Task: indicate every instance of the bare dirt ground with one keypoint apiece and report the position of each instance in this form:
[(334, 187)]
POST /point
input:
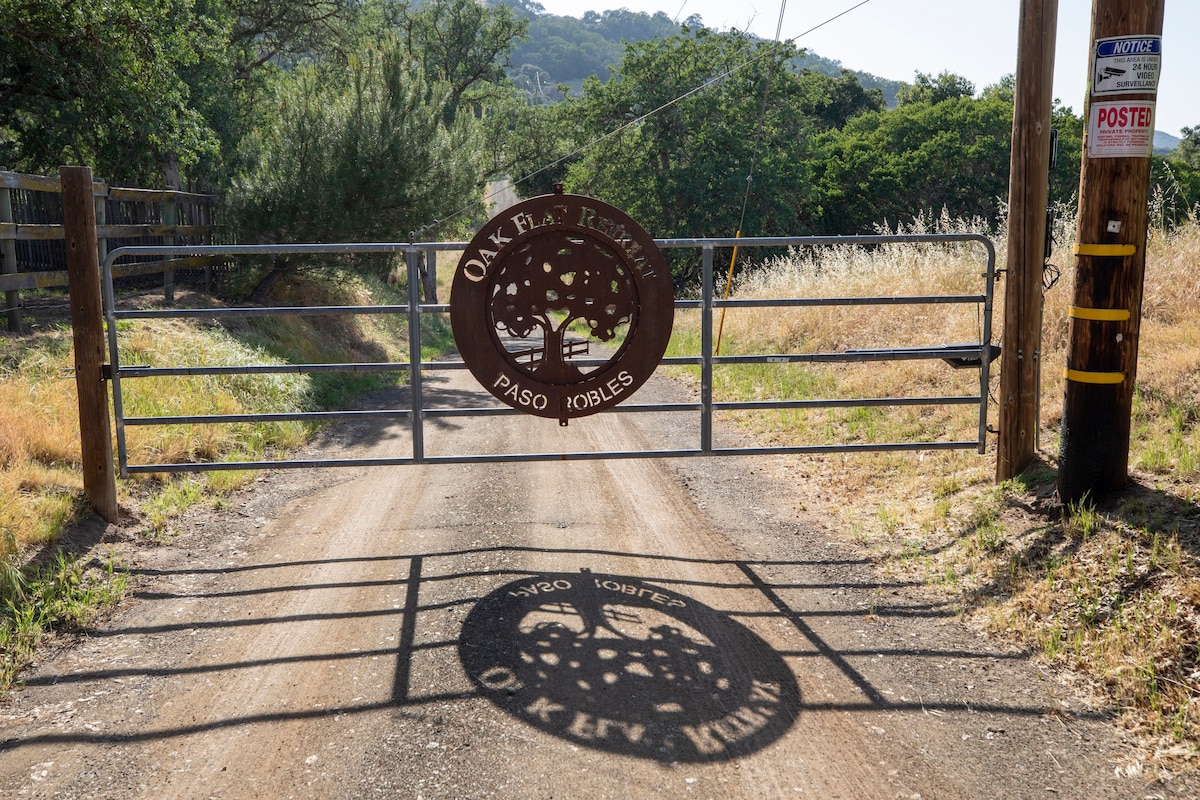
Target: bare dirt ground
[(597, 629)]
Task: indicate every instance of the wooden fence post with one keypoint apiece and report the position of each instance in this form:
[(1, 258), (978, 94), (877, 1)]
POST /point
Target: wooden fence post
[(169, 216), (101, 220), (8, 263), (87, 327)]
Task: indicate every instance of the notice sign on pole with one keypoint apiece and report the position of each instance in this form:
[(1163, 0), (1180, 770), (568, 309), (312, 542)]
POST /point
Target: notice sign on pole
[(1126, 65), (1119, 129)]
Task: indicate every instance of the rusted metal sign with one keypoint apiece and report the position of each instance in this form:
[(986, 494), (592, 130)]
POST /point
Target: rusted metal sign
[(562, 306)]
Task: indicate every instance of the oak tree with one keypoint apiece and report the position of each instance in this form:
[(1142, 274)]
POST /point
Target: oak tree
[(548, 284)]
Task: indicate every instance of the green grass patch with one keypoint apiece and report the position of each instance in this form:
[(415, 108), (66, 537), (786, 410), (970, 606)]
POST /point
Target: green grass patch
[(64, 596)]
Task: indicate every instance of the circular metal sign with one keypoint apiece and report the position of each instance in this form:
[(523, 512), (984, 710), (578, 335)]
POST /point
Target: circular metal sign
[(562, 306)]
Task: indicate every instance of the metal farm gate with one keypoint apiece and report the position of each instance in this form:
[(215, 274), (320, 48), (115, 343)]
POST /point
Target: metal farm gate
[(976, 355)]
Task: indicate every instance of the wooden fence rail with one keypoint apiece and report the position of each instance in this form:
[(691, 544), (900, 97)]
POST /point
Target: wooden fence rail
[(32, 236)]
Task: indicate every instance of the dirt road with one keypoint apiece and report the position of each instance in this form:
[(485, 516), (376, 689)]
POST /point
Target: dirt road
[(619, 629)]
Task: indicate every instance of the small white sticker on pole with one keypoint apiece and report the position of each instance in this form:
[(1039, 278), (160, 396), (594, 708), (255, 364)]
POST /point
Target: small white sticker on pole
[(1121, 129), (1126, 65)]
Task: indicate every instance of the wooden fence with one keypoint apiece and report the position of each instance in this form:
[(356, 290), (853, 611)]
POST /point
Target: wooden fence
[(32, 252)]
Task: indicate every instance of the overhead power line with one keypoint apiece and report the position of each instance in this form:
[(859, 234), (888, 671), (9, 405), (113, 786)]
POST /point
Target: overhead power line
[(762, 113), (716, 79)]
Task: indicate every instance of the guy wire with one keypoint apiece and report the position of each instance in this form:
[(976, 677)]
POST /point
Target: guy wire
[(758, 133)]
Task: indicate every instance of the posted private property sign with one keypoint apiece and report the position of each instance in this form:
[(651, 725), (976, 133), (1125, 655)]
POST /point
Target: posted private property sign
[(1121, 129)]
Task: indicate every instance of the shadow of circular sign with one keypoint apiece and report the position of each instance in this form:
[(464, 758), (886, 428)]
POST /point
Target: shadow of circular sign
[(616, 664)]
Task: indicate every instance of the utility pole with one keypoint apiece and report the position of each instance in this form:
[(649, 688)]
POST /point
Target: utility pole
[(1110, 247), (1028, 191)]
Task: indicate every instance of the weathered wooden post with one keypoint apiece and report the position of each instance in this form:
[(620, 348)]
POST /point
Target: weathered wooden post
[(170, 218), (101, 200), (87, 327), (8, 262)]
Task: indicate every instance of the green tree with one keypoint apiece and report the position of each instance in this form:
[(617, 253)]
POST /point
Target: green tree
[(1064, 179), (682, 170), (462, 43), (1188, 151), (1064, 176), (571, 48), (832, 101), (933, 90), (925, 155), (285, 32), (142, 90), (356, 157), (1175, 182), (566, 49), (263, 41), (623, 25), (100, 84), (529, 142)]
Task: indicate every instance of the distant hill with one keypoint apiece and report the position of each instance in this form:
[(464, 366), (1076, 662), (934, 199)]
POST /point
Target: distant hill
[(1165, 143), (833, 68), (565, 50)]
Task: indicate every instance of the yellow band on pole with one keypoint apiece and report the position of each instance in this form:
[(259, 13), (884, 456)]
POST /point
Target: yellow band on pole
[(728, 286), (1105, 249), (1082, 376), (1099, 314)]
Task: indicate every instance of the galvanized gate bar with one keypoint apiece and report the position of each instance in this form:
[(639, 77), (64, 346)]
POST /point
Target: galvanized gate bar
[(262, 369), (783, 302), (847, 356), (706, 350), (208, 313), (980, 353), (505, 411), (887, 300), (526, 458)]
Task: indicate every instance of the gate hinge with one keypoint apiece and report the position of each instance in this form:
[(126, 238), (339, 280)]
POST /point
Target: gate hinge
[(106, 372)]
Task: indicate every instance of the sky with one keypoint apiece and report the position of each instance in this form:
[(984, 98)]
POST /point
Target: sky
[(976, 39)]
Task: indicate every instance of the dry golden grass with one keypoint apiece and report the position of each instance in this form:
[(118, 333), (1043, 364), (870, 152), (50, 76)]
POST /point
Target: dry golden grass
[(34, 427), (177, 343), (891, 271), (1111, 597), (40, 485)]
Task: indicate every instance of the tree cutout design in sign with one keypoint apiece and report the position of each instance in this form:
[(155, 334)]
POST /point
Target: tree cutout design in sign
[(542, 282), (620, 665), (551, 282)]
